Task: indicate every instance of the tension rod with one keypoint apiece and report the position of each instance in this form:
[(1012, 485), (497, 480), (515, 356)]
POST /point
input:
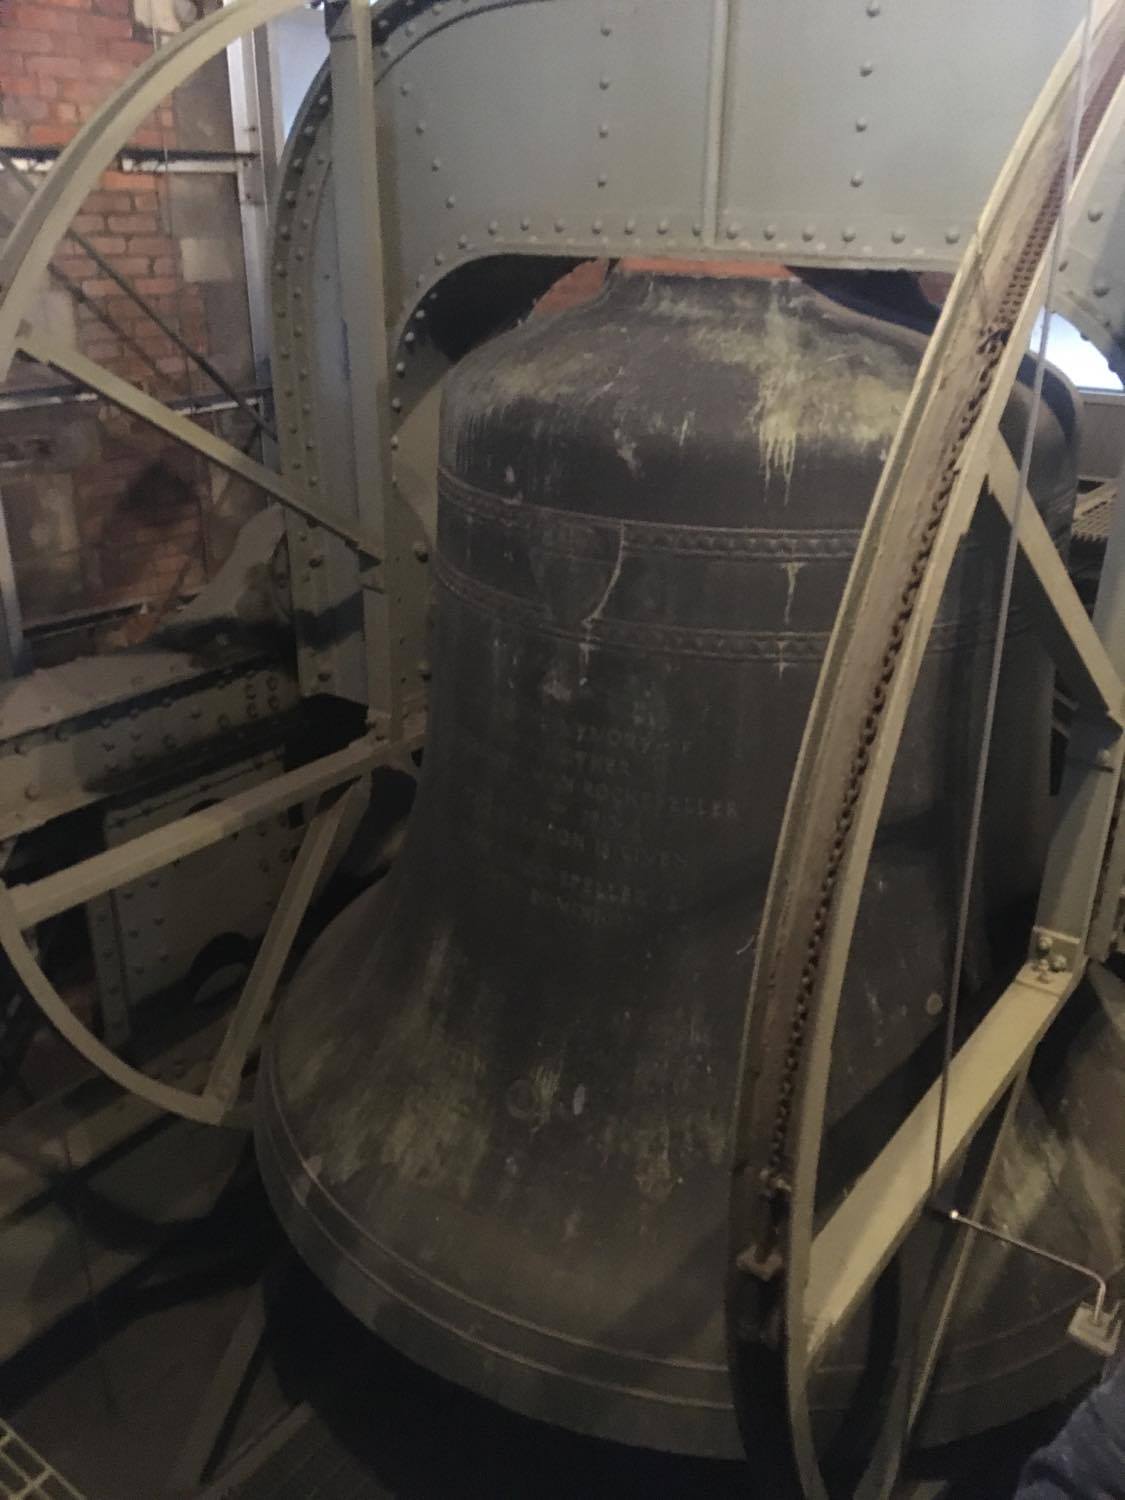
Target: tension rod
[(1095, 1326)]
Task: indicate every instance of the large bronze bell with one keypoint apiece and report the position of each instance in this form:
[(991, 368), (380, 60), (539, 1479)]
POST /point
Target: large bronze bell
[(494, 1111)]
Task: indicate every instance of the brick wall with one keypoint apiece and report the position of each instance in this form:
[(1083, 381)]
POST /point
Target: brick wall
[(101, 511)]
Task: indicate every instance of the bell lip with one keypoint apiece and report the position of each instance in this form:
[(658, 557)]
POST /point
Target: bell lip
[(453, 1342)]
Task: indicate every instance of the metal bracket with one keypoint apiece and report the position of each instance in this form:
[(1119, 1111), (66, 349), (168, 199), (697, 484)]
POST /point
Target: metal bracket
[(1054, 952), (1094, 1325), (1096, 1328)]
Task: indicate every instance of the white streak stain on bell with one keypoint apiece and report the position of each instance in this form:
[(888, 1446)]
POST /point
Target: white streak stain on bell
[(791, 571)]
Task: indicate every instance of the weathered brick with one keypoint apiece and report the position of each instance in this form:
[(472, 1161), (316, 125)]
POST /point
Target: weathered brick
[(98, 287), (133, 223), (101, 202), (107, 28), (88, 223), (127, 182), (108, 70), (105, 351), (24, 107), (47, 135), (84, 90), (108, 244), (155, 286), (54, 64), (76, 267), (133, 53), (30, 17), (17, 87), (66, 114), (144, 244), (28, 41)]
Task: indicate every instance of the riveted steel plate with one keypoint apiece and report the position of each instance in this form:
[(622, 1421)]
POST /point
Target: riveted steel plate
[(856, 133), (874, 129), (197, 919)]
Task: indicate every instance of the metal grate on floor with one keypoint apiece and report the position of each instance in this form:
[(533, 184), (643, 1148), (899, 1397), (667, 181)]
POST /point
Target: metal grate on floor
[(25, 1475), (1093, 516)]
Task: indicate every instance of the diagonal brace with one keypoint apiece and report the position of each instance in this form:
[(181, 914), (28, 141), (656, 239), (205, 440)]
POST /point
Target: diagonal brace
[(1067, 631), (121, 393)]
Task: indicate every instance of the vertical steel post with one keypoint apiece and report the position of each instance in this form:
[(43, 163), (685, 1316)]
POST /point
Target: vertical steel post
[(256, 142), (14, 655), (355, 174), (1089, 788)]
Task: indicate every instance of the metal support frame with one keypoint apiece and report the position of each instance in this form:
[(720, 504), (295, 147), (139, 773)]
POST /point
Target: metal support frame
[(21, 907), (1090, 788), (790, 1286), (840, 1263), (123, 284), (361, 268), (95, 377), (860, 1238), (14, 655), (258, 150)]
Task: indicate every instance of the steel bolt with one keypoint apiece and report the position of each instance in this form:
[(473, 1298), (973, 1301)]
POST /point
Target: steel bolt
[(1042, 943), (1104, 759), (934, 1004), (1058, 963), (421, 552)]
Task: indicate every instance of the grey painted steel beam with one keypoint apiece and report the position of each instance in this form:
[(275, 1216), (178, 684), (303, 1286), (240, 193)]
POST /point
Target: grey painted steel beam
[(20, 906), (121, 393), (277, 943), (1090, 786), (104, 872), (863, 1234), (362, 278), (923, 506), (1072, 639)]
